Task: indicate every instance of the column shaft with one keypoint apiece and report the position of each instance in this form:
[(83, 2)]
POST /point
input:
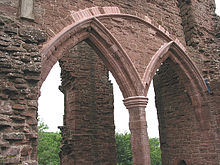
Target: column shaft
[(138, 127)]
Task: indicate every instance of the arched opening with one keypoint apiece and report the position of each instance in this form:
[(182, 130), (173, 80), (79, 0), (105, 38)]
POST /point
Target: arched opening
[(50, 111), (180, 101), (176, 106), (117, 61), (82, 127), (189, 75), (182, 162), (108, 50), (105, 45), (175, 112)]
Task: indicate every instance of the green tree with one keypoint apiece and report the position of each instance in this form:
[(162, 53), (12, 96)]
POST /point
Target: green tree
[(155, 152), (124, 155), (123, 148), (48, 146), (42, 127)]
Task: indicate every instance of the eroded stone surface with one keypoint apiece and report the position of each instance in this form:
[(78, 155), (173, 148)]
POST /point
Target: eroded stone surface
[(88, 119), (20, 70), (140, 41)]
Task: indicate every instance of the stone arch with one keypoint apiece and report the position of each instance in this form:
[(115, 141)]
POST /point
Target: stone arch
[(87, 27), (20, 64), (109, 49), (196, 86), (178, 56), (113, 55)]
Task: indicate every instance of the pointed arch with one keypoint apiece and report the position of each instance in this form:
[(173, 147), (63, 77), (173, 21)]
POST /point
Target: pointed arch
[(178, 56), (103, 42), (194, 84), (114, 56)]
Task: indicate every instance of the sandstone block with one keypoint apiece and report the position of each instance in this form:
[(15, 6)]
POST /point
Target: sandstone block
[(26, 150), (17, 118), (21, 86), (32, 35), (13, 151), (4, 124), (5, 108), (18, 107), (14, 136)]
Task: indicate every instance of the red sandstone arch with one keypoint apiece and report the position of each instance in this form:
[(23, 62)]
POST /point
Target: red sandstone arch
[(109, 49), (178, 55), (113, 55), (88, 27), (195, 84)]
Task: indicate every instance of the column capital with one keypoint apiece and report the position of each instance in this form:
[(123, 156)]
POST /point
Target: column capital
[(135, 101)]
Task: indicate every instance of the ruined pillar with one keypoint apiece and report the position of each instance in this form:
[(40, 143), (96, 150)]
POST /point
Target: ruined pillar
[(138, 127), (88, 134)]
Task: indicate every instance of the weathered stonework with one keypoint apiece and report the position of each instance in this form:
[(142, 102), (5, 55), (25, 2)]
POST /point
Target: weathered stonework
[(174, 42), (20, 70), (88, 131), (182, 136)]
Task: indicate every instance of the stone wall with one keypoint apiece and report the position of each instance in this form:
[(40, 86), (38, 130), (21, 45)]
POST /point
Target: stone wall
[(88, 131), (53, 15), (20, 65), (201, 29), (183, 135)]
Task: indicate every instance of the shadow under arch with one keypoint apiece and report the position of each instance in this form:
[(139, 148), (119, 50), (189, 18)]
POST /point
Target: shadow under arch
[(188, 73), (110, 51)]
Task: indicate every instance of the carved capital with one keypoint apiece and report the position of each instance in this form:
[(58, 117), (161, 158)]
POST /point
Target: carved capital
[(135, 101)]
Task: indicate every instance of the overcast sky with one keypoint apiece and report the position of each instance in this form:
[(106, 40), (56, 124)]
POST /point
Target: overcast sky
[(51, 105)]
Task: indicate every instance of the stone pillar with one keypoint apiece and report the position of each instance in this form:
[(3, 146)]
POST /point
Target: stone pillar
[(88, 133), (138, 127)]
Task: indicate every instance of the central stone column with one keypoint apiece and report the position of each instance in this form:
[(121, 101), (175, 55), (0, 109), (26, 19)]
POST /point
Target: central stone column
[(138, 127)]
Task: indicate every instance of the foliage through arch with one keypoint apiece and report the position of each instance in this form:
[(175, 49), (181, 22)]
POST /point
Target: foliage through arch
[(49, 147)]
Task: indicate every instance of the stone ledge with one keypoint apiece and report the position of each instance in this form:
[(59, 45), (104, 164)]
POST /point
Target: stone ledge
[(14, 136)]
